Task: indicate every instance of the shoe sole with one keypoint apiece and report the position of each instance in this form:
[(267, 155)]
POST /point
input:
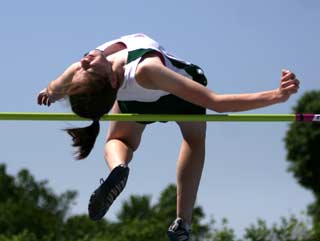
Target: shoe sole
[(98, 198)]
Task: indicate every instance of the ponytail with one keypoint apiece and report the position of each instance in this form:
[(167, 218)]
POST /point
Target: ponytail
[(84, 138), (90, 99)]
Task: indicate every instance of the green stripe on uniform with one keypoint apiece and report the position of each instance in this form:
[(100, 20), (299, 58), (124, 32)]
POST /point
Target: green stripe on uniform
[(135, 54), (193, 70)]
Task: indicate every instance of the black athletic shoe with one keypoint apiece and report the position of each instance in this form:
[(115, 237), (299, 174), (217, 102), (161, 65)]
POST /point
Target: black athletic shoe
[(178, 231), (109, 189)]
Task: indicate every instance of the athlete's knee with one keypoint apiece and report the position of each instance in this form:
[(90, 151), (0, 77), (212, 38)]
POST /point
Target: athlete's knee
[(129, 136), (117, 152), (123, 142)]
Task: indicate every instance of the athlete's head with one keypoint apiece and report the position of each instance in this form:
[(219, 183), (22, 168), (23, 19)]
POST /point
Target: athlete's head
[(91, 95)]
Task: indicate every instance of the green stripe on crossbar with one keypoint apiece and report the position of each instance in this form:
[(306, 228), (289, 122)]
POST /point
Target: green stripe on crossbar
[(34, 116)]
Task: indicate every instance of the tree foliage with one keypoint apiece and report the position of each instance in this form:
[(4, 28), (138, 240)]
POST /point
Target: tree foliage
[(289, 229), (31, 211), (29, 205), (303, 149)]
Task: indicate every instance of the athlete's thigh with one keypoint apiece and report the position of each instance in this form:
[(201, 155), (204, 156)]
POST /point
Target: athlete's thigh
[(128, 132)]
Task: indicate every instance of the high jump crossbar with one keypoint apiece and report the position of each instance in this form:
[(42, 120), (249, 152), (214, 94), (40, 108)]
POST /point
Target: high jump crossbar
[(36, 116)]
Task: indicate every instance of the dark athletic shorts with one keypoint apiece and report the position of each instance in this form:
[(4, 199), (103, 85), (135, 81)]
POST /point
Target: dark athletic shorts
[(168, 104)]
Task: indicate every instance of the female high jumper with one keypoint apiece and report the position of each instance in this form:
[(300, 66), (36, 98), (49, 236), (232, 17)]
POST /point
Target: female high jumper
[(134, 74)]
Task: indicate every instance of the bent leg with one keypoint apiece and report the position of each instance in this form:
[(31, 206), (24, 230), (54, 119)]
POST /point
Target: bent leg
[(190, 165), (122, 140)]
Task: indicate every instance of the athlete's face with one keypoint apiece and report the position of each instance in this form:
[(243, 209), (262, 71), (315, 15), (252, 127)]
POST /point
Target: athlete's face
[(94, 64)]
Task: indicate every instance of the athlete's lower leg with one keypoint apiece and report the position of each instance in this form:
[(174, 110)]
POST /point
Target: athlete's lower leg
[(117, 153), (189, 170)]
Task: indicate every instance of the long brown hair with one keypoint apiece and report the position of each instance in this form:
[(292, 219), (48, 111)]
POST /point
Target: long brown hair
[(89, 100)]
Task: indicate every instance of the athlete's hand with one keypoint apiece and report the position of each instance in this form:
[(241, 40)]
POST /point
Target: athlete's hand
[(289, 85), (44, 98)]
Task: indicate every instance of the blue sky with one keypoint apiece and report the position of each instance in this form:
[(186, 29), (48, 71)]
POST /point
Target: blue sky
[(242, 47)]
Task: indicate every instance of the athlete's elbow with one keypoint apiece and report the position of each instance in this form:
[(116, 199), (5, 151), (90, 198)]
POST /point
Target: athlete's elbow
[(218, 109), (215, 103), (223, 108)]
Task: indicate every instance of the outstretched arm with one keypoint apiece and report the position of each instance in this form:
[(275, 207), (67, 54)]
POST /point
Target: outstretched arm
[(151, 73), (57, 88)]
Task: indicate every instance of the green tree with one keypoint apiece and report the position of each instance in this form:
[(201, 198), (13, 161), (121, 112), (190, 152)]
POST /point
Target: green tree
[(81, 227), (223, 233), (289, 229), (31, 211), (23, 236), (303, 149), (29, 205), (136, 208)]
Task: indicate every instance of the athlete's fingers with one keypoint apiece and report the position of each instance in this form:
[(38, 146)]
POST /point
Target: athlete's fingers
[(48, 102), (291, 89), (288, 76), (44, 99), (284, 72), (39, 100), (287, 83), (40, 96)]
